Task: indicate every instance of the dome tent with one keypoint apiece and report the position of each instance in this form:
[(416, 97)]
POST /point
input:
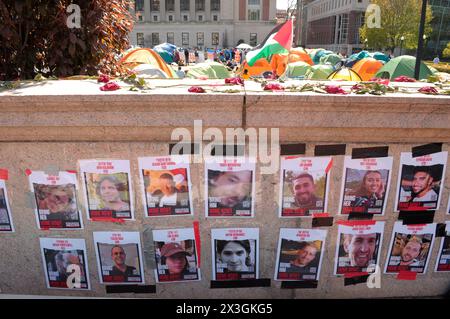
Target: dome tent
[(403, 65), (367, 68), (345, 74)]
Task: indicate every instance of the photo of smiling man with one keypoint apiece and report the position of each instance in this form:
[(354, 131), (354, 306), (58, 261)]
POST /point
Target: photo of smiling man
[(359, 247)]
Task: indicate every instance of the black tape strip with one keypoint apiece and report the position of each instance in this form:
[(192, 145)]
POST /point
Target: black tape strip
[(417, 217), (186, 148), (292, 149), (137, 289), (426, 149), (360, 216), (240, 283), (370, 152), (304, 284), (355, 280), (440, 230), (228, 150), (327, 150), (322, 222)]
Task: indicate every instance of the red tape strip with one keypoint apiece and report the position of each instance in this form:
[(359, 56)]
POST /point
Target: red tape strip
[(28, 172), (330, 165), (355, 274), (197, 241), (71, 171), (291, 157), (4, 174), (407, 275), (321, 215), (356, 222), (108, 220)]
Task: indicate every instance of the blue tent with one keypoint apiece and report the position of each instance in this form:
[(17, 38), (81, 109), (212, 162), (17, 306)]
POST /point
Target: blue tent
[(380, 57), (166, 51)]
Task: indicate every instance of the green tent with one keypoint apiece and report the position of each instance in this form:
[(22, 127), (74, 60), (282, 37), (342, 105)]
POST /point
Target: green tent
[(210, 70), (332, 59), (297, 69), (402, 65), (320, 72)]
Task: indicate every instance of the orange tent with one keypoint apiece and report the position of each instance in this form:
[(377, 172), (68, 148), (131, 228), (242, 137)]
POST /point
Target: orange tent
[(145, 56), (367, 68), (278, 63), (299, 54)]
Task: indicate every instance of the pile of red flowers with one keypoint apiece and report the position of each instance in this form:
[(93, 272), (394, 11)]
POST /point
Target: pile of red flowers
[(404, 78), (234, 81), (333, 89), (428, 90), (196, 89), (109, 86), (273, 87)]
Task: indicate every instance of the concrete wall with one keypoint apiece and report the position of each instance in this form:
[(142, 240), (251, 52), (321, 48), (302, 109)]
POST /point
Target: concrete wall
[(58, 123)]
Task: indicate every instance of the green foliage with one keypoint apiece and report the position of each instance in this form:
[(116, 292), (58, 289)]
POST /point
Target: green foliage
[(446, 53), (35, 38), (398, 18)]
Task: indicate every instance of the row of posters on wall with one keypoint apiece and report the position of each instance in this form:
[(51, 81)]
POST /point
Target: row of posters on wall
[(230, 188), (235, 254)]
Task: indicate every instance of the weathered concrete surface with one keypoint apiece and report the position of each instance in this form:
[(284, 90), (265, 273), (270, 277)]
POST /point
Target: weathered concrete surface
[(38, 130)]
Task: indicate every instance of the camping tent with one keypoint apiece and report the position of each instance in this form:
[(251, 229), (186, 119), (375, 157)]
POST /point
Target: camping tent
[(297, 69), (299, 54), (244, 46), (367, 68), (344, 74), (403, 65), (150, 71), (146, 56), (210, 70), (261, 66), (319, 54), (380, 57), (166, 51), (332, 59), (320, 72)]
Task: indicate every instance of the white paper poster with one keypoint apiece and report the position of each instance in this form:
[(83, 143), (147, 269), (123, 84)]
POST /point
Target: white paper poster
[(56, 199), (300, 253), (410, 248), (365, 185), (420, 182), (443, 261), (176, 255), (304, 185), (166, 185), (235, 253), (65, 263), (230, 187), (107, 189), (119, 257), (6, 224)]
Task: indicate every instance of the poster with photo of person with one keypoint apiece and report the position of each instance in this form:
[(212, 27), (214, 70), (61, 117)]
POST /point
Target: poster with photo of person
[(235, 253), (230, 186), (6, 224), (448, 206), (107, 189), (358, 247), (56, 201), (65, 263), (420, 182), (300, 253), (166, 185), (176, 255), (119, 257), (410, 248), (443, 261), (365, 185), (304, 185)]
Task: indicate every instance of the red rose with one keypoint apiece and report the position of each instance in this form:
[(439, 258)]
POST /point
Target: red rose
[(196, 89), (234, 81), (333, 89), (273, 87), (103, 78), (403, 78), (428, 90), (110, 86)]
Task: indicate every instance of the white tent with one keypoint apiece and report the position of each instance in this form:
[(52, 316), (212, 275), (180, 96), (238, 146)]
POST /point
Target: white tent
[(244, 46)]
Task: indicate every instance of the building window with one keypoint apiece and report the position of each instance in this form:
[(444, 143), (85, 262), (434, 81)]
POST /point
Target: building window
[(199, 5), (184, 5), (200, 39), (155, 38), (155, 18), (170, 5), (185, 38), (254, 10), (171, 37), (200, 18), (185, 18), (253, 39), (170, 18), (140, 40), (215, 38), (139, 5), (154, 5), (215, 17), (215, 5)]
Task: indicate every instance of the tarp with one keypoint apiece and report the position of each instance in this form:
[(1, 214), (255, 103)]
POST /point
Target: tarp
[(166, 51), (319, 54), (320, 72), (345, 74), (367, 68), (210, 70), (332, 59), (403, 65), (146, 56), (380, 57), (297, 69), (150, 71)]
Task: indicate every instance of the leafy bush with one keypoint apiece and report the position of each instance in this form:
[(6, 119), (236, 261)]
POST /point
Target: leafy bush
[(446, 53), (35, 37)]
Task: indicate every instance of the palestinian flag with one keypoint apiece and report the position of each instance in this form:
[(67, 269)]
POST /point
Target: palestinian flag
[(279, 41)]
